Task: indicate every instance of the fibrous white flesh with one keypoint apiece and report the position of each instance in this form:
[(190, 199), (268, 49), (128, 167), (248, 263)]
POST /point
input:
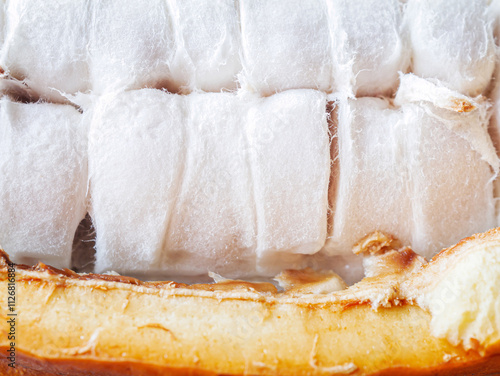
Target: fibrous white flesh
[(372, 192), (494, 10), (290, 159), (455, 160), (45, 45), (419, 172), (337, 45), (286, 45), (2, 22), (369, 45), (213, 225), (178, 45), (131, 44), (453, 42), (452, 191), (207, 53), (77, 46), (208, 182), (43, 180), (136, 150)]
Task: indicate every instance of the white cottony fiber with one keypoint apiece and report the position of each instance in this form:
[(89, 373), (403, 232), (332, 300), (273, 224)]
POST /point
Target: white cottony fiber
[(2, 22), (467, 117), (213, 224), (356, 47), (289, 155), (452, 187), (81, 46), (183, 185), (494, 10), (286, 45), (370, 45), (452, 162), (130, 44), (43, 180), (207, 51), (179, 45), (420, 172), (453, 42), (372, 187), (46, 45), (73, 46), (136, 152)]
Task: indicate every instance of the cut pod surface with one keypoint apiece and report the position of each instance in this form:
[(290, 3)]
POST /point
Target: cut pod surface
[(243, 175)]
